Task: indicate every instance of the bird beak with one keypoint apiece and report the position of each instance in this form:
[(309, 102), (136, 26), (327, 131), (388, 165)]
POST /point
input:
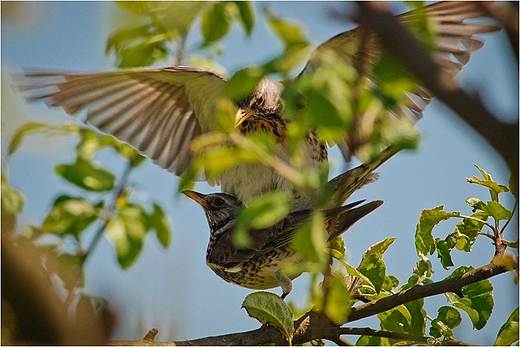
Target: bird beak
[(241, 116), (198, 197)]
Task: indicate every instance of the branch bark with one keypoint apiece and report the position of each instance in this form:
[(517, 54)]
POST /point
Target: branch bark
[(314, 325)]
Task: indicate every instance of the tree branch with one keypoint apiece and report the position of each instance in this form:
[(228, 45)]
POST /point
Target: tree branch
[(314, 325)]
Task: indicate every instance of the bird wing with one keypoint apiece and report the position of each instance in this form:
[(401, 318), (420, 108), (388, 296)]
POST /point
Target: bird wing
[(455, 39), (159, 111), (225, 254)]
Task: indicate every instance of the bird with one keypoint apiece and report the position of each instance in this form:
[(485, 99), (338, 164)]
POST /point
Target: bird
[(261, 264), (161, 110)]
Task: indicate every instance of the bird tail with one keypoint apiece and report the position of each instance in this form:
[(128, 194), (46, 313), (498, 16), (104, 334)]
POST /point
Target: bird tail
[(341, 219), (345, 184)]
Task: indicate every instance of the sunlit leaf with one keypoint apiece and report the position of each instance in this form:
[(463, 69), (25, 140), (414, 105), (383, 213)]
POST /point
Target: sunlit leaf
[(424, 242), (374, 268), (356, 273), (262, 212), (86, 175), (497, 210), (22, 132), (162, 225), (477, 301), (70, 215), (417, 324), (289, 32), (379, 248), (215, 23), (12, 203), (372, 264), (443, 251), (338, 301), (244, 82), (508, 332), (246, 15), (474, 202), (447, 319), (311, 238), (126, 231), (269, 308), (494, 187)]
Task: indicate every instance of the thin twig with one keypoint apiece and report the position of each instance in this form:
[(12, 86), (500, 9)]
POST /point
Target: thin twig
[(117, 192)]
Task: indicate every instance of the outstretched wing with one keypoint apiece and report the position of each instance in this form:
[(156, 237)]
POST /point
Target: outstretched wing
[(455, 43), (159, 111)]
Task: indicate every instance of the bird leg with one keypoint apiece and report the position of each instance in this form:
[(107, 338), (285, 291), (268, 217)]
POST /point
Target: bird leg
[(284, 282)]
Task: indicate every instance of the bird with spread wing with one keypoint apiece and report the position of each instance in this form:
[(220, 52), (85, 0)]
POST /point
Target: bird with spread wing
[(161, 110)]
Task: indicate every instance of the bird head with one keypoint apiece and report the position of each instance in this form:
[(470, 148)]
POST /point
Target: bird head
[(264, 102), (220, 208)]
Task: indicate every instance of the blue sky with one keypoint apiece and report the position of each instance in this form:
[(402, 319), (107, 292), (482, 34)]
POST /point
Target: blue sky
[(173, 289)]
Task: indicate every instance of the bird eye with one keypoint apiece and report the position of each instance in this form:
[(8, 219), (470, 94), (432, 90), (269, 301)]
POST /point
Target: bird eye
[(260, 100), (218, 202)]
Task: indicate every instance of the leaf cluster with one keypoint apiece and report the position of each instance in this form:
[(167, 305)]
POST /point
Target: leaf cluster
[(103, 204)]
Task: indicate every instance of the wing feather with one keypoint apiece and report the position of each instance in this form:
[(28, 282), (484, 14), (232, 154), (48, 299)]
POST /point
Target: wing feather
[(159, 111), (455, 43)]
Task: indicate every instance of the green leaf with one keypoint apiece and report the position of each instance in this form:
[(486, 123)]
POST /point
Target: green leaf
[(497, 210), (336, 248), (12, 203), (244, 82), (22, 132), (119, 38), (265, 210), (311, 238), (424, 242), (70, 215), (162, 225), (417, 323), (372, 264), (379, 248), (374, 268), (443, 251), (338, 303), (215, 23), (466, 232), (366, 340), (393, 79), (513, 186), (262, 212), (447, 319), (86, 175), (508, 332), (356, 273), (126, 231), (289, 32), (477, 301), (474, 202), (424, 268), (494, 187), (269, 308), (246, 15)]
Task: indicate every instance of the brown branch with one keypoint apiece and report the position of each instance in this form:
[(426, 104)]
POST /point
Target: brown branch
[(453, 285), (310, 326), (503, 137)]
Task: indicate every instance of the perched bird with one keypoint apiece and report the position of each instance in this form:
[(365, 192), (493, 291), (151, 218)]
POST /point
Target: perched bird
[(261, 264), (160, 110)]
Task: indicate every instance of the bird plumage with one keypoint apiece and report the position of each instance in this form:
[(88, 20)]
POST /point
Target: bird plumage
[(160, 111), (261, 263)]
